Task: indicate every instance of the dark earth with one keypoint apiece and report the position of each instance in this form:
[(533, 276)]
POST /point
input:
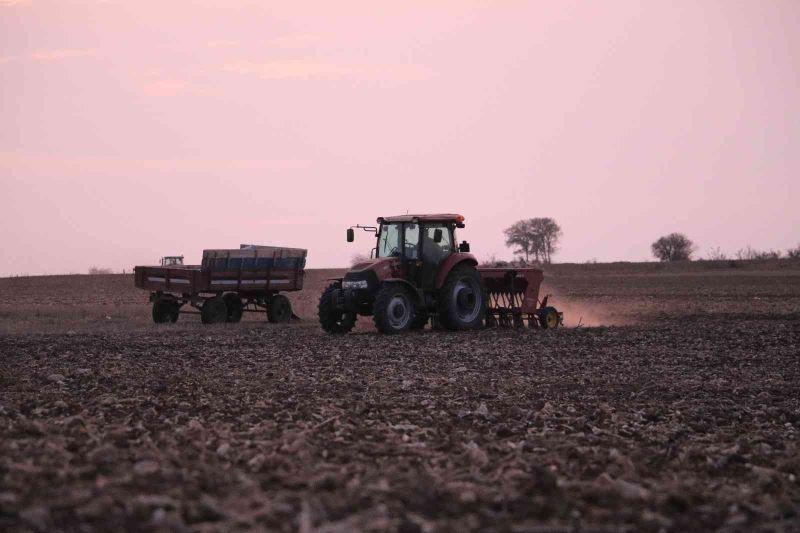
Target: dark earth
[(675, 406)]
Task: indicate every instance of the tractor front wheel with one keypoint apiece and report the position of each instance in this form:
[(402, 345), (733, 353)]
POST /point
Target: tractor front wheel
[(461, 302), (331, 319), (214, 311), (393, 311)]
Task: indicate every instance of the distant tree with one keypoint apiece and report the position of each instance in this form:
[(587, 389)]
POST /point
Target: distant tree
[(793, 253), (358, 258), (96, 271), (746, 254), (521, 235), (750, 253), (716, 254), (534, 238), (769, 254), (673, 247), (550, 233), (493, 261)]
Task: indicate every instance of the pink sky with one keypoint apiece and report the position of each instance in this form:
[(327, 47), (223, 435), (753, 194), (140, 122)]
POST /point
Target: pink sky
[(135, 129)]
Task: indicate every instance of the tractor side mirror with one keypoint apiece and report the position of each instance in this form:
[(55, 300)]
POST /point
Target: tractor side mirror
[(463, 247), (437, 235), (351, 235)]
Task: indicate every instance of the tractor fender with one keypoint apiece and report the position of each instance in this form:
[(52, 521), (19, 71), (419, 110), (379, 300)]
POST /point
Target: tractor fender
[(451, 262), (415, 294)]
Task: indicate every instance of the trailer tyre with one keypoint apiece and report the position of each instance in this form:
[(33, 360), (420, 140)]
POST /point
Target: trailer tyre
[(548, 318), (165, 311), (234, 305), (279, 309), (331, 319), (393, 311), (214, 311), (462, 301)]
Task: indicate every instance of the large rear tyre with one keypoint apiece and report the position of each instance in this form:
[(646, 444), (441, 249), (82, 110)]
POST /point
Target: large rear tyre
[(393, 311), (214, 311), (279, 309), (234, 305), (462, 302), (548, 318), (165, 311), (331, 319)]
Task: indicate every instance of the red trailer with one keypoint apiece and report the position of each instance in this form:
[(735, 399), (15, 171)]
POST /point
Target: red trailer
[(226, 284)]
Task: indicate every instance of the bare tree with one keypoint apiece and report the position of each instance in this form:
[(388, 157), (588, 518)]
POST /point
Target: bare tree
[(716, 254), (673, 247), (358, 258), (550, 233), (535, 238), (520, 234), (793, 253), (750, 253)]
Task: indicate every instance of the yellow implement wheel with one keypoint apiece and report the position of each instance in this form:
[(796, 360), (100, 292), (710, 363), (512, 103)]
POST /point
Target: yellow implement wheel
[(549, 318)]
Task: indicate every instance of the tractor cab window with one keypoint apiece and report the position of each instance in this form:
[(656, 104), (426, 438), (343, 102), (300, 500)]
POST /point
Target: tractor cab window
[(432, 251), (389, 240), (411, 241)]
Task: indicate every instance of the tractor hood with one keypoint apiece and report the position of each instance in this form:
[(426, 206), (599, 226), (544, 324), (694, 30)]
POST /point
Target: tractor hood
[(373, 272)]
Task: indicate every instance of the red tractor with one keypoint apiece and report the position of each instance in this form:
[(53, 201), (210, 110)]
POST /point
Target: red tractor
[(418, 272)]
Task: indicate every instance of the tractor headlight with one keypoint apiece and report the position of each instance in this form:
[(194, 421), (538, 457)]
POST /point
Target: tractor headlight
[(360, 284)]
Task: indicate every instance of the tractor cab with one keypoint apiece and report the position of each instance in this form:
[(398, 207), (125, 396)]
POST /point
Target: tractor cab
[(172, 260), (415, 245)]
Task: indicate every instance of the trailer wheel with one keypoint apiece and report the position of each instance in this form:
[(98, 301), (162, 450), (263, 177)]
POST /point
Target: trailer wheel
[(279, 309), (175, 312), (393, 310), (548, 318), (165, 310), (234, 305), (214, 311), (331, 319), (462, 302)]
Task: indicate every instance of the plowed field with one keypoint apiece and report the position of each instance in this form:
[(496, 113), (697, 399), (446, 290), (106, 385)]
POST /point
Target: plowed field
[(674, 406)]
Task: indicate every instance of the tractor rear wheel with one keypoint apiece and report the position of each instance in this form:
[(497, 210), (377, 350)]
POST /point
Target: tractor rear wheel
[(279, 309), (165, 310), (548, 318), (214, 311), (331, 319), (234, 305), (462, 302), (393, 310)]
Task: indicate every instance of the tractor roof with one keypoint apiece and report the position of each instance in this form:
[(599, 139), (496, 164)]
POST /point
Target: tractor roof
[(439, 217)]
